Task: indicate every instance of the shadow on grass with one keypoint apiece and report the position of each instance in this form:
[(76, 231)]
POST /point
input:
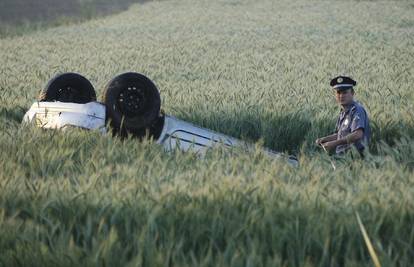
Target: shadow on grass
[(289, 131), (282, 132), (14, 114), (205, 227), (21, 16), (285, 132)]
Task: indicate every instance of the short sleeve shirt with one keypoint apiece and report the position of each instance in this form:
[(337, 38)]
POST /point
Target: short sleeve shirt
[(351, 119)]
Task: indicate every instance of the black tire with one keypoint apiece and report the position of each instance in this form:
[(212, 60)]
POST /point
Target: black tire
[(69, 87), (132, 103)]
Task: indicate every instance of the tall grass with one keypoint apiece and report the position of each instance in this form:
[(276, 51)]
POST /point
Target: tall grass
[(257, 70), (18, 17)]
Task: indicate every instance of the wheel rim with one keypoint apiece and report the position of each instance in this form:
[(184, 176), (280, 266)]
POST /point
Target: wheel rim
[(131, 101), (68, 94)]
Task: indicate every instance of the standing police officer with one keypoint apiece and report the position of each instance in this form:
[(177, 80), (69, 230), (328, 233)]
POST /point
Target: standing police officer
[(352, 126)]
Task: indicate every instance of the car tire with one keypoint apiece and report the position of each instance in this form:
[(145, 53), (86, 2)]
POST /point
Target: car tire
[(132, 104), (69, 87)]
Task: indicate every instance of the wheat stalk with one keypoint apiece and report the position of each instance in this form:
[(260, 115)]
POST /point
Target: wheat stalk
[(371, 249)]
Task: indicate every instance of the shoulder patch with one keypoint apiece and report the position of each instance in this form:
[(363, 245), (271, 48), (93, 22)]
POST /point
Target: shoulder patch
[(358, 108)]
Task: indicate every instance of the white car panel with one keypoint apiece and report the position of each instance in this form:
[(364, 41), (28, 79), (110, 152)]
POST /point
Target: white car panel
[(187, 136), (175, 132), (59, 115)]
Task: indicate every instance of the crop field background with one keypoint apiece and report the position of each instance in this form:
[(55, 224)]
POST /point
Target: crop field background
[(18, 17), (256, 70)]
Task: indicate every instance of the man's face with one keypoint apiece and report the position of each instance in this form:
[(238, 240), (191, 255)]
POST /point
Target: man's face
[(344, 97)]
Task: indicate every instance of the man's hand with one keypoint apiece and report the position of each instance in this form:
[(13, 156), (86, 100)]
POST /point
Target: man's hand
[(349, 139), (319, 141), (330, 145), (330, 142), (325, 139)]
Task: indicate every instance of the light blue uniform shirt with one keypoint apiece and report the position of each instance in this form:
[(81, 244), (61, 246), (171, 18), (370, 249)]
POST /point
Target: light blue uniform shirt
[(352, 118)]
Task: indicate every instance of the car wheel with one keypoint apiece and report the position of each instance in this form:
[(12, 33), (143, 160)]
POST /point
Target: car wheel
[(69, 87), (132, 103)]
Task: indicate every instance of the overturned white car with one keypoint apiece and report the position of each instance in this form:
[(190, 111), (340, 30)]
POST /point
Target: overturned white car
[(131, 106)]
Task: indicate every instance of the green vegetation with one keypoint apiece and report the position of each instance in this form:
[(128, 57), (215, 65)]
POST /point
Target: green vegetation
[(258, 70), (18, 17)]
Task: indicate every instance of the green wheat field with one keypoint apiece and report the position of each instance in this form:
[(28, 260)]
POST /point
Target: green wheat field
[(255, 70)]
